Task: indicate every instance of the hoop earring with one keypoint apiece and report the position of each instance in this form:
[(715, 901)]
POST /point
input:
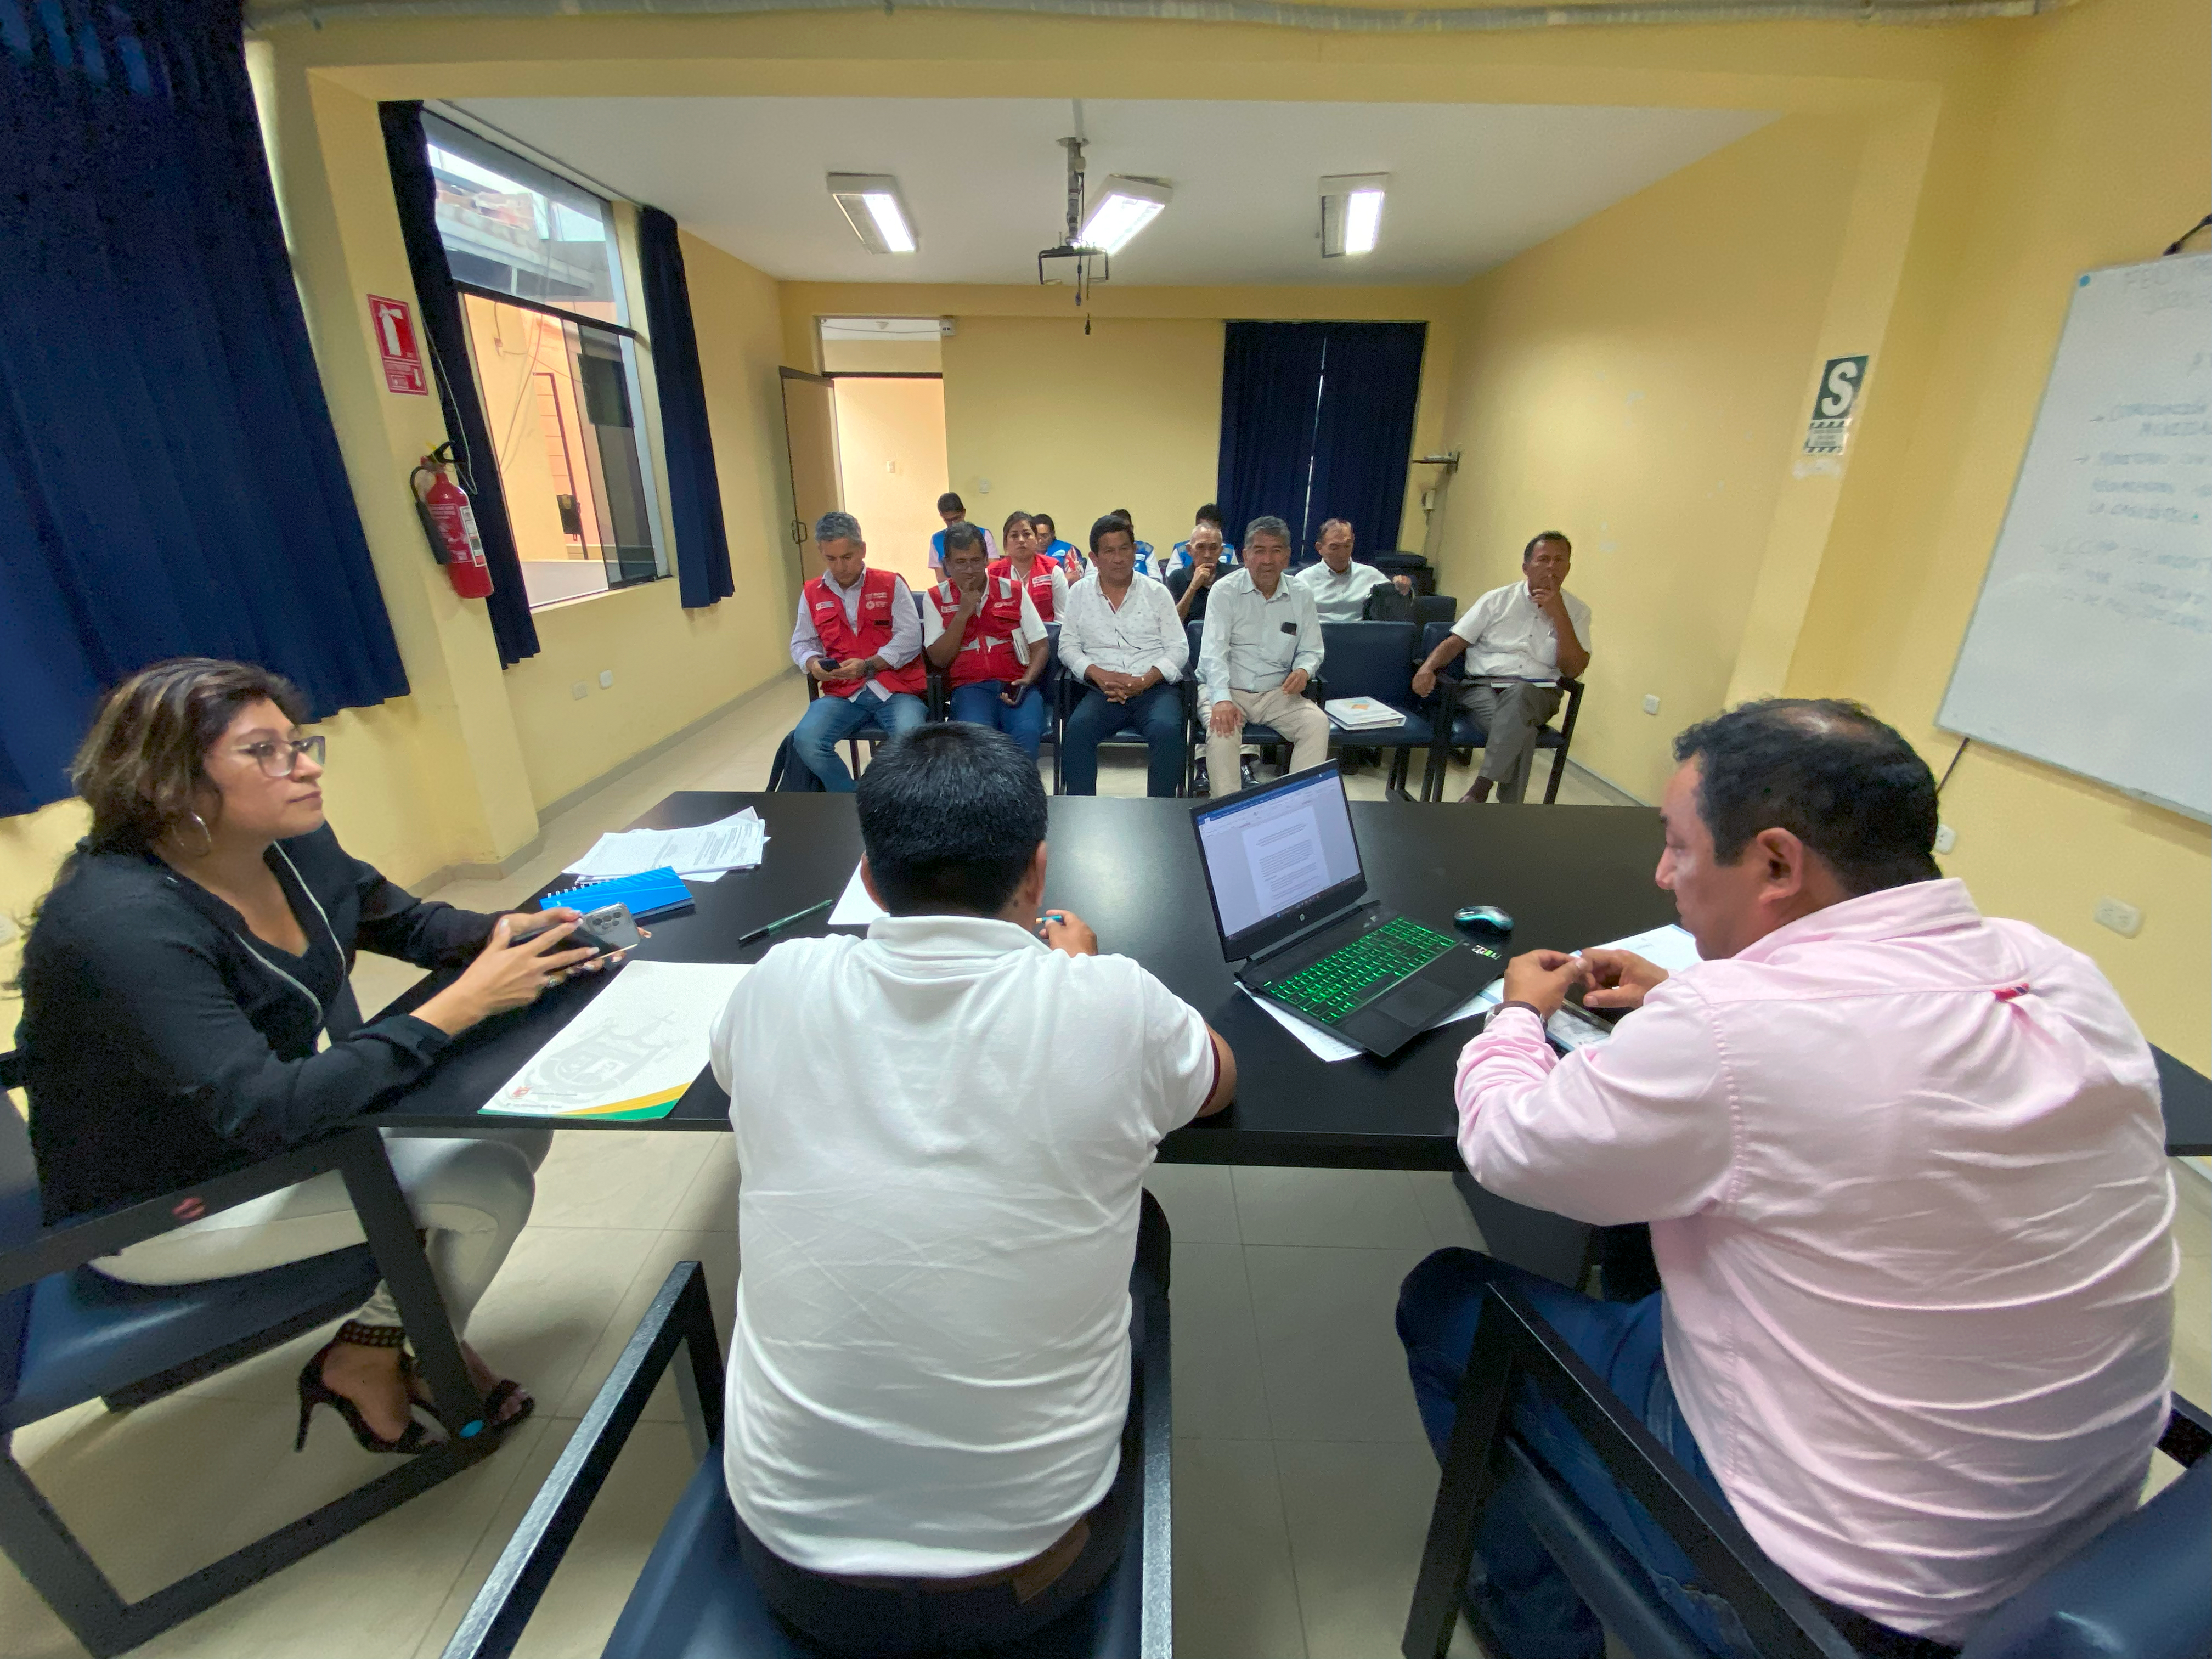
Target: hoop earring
[(208, 838)]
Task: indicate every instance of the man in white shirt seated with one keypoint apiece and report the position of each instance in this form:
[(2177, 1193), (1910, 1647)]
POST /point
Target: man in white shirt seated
[(1122, 640), (1260, 646), (1904, 1171), (1519, 639), (945, 1128), (860, 637), (1338, 584)]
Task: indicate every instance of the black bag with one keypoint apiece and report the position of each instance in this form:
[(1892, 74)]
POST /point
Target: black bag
[(788, 771)]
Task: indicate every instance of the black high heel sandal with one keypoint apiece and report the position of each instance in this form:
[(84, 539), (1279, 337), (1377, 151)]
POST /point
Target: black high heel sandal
[(314, 1392)]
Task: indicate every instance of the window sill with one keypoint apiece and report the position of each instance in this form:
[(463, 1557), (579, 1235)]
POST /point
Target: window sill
[(575, 600)]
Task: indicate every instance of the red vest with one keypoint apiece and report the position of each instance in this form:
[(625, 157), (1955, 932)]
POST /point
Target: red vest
[(987, 649), (1041, 571), (842, 642)]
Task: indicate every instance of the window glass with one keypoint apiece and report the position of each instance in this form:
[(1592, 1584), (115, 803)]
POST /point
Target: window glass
[(513, 227)]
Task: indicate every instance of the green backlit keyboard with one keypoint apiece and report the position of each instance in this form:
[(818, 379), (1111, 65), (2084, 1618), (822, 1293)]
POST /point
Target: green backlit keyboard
[(1360, 972)]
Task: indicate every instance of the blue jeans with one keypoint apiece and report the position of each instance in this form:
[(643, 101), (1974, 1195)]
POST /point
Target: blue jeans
[(829, 721), (979, 705), (1527, 1599), (1157, 713)]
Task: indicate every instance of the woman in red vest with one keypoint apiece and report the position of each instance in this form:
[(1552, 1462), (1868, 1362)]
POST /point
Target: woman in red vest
[(982, 629), (1026, 564)]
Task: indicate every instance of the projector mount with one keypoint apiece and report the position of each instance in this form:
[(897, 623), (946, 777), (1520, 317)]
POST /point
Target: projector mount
[(1085, 272)]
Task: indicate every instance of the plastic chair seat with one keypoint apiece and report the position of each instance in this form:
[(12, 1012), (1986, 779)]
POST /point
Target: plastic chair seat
[(1466, 735), (695, 1599), (86, 1334)]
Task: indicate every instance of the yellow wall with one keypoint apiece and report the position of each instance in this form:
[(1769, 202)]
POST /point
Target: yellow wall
[(877, 357), (890, 463)]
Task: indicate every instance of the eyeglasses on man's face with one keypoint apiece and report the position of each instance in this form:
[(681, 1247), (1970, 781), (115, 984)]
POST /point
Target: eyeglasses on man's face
[(280, 757)]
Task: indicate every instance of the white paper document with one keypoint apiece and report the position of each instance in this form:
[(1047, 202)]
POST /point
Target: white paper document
[(854, 907), (1355, 713), (1324, 1045), (1669, 947), (632, 1052), (736, 842)]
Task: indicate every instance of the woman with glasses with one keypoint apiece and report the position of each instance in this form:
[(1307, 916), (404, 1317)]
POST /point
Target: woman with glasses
[(187, 1011)]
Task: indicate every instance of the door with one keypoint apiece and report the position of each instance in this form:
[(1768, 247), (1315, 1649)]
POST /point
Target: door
[(810, 433)]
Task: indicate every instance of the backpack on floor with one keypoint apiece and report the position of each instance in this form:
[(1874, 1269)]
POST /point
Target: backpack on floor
[(788, 771)]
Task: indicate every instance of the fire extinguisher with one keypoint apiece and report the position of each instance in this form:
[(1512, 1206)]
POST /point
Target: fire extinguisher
[(451, 525)]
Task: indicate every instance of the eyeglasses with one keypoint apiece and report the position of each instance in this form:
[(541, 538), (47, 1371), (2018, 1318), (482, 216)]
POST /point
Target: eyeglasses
[(280, 760)]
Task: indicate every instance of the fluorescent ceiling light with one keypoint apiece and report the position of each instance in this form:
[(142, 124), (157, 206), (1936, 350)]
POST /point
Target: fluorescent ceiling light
[(1125, 207), (872, 206), (1351, 213)]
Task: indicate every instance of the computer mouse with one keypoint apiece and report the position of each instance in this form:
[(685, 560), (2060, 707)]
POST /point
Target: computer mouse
[(1484, 919)]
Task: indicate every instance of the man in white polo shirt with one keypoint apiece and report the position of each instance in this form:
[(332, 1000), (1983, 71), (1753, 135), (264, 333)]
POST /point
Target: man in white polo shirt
[(945, 1128), (1519, 640)]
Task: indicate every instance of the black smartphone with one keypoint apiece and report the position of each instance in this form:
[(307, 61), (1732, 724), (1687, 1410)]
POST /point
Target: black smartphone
[(610, 928)]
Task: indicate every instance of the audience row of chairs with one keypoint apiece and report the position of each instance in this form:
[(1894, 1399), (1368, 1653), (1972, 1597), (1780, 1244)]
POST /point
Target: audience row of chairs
[(1360, 660)]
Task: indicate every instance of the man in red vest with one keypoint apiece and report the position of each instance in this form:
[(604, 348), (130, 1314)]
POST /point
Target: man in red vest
[(860, 637)]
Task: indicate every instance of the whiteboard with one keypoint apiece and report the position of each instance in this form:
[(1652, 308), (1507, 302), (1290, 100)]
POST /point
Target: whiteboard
[(2091, 645)]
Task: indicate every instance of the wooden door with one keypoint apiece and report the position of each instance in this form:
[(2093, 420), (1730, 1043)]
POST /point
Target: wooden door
[(809, 431)]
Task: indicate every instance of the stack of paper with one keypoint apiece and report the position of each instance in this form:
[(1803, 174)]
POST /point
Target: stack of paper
[(632, 1052), (699, 854), (1361, 713), (1669, 947)]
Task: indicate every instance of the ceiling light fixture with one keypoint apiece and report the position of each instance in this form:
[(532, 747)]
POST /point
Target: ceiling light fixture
[(1126, 207), (1351, 213), (872, 204)]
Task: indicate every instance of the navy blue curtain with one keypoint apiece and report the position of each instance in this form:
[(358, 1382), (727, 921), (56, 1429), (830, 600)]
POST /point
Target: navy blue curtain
[(1363, 436), (169, 480), (445, 333), (702, 546), (1270, 375), (1317, 423)]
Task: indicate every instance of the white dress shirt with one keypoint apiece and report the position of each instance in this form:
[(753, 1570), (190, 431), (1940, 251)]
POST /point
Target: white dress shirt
[(1252, 644), (1508, 636), (1143, 633), (906, 627), (1026, 634), (945, 1129), (1905, 1168), (1339, 598)]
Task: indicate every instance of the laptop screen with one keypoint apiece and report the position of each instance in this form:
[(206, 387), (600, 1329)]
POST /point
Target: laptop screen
[(1270, 852)]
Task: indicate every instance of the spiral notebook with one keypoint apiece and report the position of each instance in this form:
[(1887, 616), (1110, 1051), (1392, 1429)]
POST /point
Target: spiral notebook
[(650, 893)]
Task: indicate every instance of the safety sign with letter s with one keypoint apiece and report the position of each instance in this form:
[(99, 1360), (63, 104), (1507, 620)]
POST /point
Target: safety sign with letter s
[(1842, 380)]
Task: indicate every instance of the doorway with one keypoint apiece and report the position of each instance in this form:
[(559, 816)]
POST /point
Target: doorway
[(891, 459)]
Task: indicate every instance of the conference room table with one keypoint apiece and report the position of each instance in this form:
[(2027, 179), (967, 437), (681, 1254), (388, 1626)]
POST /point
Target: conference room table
[(1569, 877)]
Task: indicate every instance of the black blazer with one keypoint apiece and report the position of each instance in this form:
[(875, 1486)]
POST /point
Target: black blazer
[(162, 1042)]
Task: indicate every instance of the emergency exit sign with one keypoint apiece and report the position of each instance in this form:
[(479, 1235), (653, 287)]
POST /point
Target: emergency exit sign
[(395, 342)]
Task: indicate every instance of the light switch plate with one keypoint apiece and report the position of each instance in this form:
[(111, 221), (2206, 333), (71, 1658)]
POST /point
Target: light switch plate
[(580, 690), (1946, 837), (1650, 705), (606, 677)]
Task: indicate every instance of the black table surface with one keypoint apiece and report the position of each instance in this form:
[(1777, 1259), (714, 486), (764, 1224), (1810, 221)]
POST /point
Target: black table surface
[(1568, 876)]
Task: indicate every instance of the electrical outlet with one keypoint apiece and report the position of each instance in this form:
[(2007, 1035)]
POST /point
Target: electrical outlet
[(983, 486), (1946, 837), (1650, 705), (606, 678), (580, 690), (2122, 918)]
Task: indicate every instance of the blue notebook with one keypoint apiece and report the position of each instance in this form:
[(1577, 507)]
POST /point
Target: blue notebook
[(649, 894)]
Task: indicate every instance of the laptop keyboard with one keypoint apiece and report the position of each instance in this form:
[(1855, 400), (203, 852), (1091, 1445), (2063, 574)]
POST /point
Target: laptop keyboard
[(1357, 973)]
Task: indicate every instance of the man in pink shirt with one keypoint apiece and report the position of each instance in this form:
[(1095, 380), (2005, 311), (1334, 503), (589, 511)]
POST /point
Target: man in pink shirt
[(1904, 1168)]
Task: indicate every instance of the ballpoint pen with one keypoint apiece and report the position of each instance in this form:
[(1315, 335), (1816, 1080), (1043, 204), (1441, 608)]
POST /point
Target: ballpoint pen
[(785, 922)]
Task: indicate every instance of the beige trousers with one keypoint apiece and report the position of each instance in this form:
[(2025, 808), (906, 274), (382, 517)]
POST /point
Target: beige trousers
[(1301, 721)]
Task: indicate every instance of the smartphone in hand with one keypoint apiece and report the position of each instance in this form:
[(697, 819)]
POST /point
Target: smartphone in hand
[(610, 928)]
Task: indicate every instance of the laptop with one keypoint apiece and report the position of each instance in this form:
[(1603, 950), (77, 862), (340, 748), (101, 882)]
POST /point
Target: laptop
[(1290, 901)]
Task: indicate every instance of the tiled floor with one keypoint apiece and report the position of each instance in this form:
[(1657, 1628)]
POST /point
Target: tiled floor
[(1302, 1482)]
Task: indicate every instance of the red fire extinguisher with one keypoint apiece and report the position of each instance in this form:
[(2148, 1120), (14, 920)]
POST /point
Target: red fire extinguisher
[(451, 525)]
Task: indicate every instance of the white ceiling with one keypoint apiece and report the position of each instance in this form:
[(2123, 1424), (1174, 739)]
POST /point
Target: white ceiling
[(1471, 185)]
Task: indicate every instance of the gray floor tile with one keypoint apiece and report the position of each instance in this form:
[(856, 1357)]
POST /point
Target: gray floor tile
[(626, 1178), (1351, 1209), (1201, 1209), (1236, 1593), (544, 1315), (1219, 1393), (1329, 1349), (1357, 1516), (1444, 1210), (718, 1252)]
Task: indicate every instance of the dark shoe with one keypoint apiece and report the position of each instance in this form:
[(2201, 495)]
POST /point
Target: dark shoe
[(314, 1392)]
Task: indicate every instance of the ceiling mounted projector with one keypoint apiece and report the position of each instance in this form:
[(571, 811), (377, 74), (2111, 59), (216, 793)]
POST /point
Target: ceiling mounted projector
[(872, 206), (1351, 213)]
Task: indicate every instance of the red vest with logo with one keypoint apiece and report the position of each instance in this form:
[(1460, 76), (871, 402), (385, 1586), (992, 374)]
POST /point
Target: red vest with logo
[(1041, 571), (842, 640), (987, 649)]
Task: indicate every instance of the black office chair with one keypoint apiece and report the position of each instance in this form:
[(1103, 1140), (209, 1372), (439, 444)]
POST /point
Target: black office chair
[(1434, 608), (1374, 660), (69, 1334), (696, 1599), (1461, 731), (1407, 564), (2140, 1590)]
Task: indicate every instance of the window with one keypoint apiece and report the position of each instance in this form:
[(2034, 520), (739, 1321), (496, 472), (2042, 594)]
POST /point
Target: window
[(539, 271)]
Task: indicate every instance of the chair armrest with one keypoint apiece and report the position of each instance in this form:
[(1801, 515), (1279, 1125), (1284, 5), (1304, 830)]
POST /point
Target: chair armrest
[(2188, 1434), (1513, 1343), (680, 1313)]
